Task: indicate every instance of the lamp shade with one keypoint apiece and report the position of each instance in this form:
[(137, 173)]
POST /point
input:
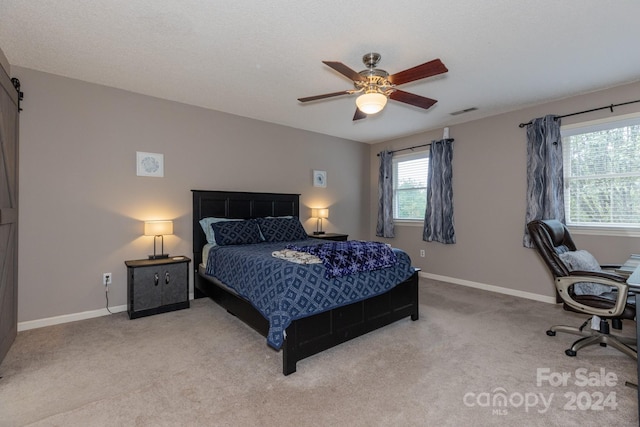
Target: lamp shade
[(320, 213), (158, 228), (371, 103)]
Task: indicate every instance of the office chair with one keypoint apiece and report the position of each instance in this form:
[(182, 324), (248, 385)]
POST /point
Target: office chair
[(584, 288)]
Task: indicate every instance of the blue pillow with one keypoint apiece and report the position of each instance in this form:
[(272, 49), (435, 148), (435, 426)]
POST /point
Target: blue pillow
[(236, 232), (206, 223), (281, 229)]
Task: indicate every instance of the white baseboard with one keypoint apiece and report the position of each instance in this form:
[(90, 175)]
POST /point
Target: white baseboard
[(65, 318), (490, 288), (56, 320)]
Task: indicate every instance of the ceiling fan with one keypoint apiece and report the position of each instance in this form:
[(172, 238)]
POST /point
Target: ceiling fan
[(376, 85)]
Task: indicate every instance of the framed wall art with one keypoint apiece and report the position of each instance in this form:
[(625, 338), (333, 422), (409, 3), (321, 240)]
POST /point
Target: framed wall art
[(319, 178), (149, 164)]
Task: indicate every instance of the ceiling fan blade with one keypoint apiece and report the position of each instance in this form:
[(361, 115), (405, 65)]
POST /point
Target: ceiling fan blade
[(344, 70), (412, 99), (326, 95), (428, 69), (359, 115)]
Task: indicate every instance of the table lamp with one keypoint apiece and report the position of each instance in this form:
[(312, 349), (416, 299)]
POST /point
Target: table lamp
[(158, 229), (320, 214)]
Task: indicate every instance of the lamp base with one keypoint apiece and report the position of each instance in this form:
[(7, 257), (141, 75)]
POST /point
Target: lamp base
[(159, 256), (318, 232)]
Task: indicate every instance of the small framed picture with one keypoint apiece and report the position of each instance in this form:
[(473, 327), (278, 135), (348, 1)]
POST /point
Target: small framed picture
[(319, 178), (149, 164)]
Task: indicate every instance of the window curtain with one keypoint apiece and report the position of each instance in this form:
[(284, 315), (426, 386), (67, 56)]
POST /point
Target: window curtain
[(384, 227), (545, 182), (438, 221)]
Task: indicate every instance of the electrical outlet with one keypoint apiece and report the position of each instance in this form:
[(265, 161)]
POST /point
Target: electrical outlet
[(106, 279), (421, 253)]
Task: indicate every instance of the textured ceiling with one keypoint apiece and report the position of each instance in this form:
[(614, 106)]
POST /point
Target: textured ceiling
[(254, 58)]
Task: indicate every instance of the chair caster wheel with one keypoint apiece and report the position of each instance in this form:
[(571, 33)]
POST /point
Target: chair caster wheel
[(551, 333), (570, 353)]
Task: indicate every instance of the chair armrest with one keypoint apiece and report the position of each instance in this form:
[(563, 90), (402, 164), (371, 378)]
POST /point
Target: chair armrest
[(613, 280), (599, 274)]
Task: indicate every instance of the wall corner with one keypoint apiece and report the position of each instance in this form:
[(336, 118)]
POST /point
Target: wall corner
[(4, 63)]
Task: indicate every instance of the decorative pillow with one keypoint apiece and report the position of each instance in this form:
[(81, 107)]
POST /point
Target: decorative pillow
[(236, 232), (580, 260), (206, 223), (584, 261), (281, 229)]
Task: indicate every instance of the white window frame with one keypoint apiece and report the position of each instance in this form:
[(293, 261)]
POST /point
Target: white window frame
[(592, 126), (399, 159)]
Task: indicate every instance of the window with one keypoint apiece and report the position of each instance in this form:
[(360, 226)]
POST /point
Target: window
[(602, 172), (410, 174)]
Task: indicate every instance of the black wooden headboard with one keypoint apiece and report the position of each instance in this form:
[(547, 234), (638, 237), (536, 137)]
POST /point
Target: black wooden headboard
[(235, 204)]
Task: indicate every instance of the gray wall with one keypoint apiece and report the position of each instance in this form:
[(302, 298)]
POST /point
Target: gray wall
[(489, 184), (82, 205)]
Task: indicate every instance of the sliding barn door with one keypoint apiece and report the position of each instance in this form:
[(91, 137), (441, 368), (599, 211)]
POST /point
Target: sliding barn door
[(8, 213)]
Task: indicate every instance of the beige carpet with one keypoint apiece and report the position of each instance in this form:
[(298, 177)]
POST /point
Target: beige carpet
[(203, 367)]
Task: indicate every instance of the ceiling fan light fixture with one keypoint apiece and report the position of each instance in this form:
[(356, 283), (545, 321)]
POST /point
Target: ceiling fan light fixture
[(371, 103), (375, 85)]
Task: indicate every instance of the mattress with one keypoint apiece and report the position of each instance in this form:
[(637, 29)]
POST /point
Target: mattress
[(205, 254)]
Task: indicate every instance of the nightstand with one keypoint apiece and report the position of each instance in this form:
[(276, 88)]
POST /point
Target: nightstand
[(157, 285), (331, 236)]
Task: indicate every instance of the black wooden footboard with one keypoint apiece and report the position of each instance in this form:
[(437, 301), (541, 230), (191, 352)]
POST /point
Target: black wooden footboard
[(311, 335)]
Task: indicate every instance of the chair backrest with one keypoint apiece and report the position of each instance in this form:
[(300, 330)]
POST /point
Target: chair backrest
[(551, 238)]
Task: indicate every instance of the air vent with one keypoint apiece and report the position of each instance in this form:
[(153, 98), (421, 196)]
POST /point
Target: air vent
[(466, 110)]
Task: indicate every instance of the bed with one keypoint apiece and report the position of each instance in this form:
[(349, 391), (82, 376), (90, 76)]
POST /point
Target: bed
[(305, 336)]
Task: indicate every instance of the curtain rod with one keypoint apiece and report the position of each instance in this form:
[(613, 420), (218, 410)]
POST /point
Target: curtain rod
[(411, 148), (408, 148), (611, 107)]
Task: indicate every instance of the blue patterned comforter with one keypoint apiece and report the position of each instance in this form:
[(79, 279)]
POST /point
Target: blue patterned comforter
[(353, 256), (283, 291)]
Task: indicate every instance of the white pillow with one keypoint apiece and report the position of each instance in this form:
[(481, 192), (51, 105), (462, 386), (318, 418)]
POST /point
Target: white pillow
[(584, 261)]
